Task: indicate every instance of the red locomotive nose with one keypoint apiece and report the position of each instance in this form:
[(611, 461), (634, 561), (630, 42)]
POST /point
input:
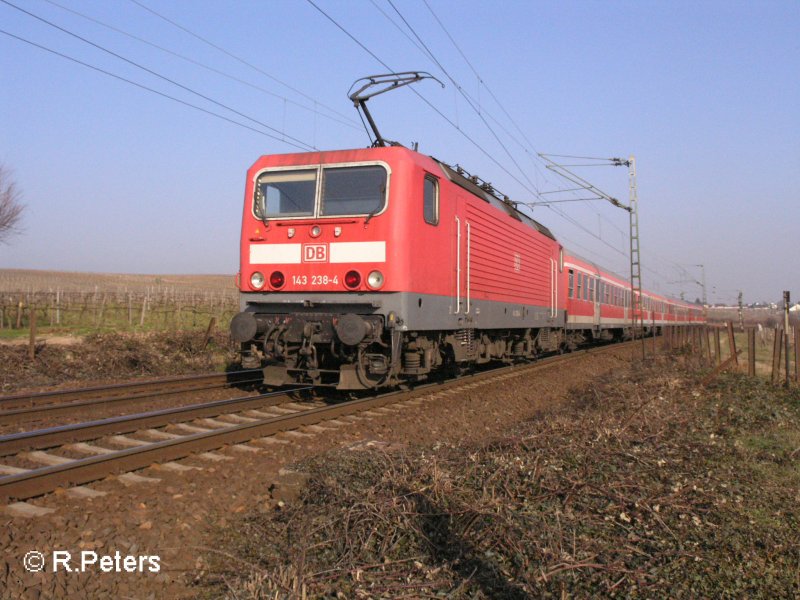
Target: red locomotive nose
[(352, 279)]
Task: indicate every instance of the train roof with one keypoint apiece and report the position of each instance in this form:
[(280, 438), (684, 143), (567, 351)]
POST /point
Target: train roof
[(488, 194), (605, 271)]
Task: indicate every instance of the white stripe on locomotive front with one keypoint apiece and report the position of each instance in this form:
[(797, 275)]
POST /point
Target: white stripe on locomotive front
[(339, 252), (274, 254), (358, 252)]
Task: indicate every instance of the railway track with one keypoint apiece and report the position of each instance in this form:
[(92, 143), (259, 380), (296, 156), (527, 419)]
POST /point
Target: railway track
[(16, 408), (152, 437)]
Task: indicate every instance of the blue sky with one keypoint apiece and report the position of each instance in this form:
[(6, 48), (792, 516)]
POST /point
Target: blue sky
[(706, 95)]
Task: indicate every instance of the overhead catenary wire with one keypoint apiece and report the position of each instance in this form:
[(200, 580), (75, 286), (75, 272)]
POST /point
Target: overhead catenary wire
[(483, 150), (466, 97), (421, 97), (156, 74), (535, 158), (341, 120), (238, 59), (146, 88)]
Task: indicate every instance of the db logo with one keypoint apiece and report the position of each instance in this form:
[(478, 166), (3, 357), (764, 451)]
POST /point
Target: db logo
[(315, 252)]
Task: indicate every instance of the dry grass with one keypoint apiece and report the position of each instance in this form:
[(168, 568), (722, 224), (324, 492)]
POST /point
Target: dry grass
[(25, 280), (112, 357), (646, 485)]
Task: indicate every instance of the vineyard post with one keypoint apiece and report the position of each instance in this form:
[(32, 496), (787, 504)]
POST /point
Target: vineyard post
[(19, 314), (209, 331), (732, 344), (751, 351), (32, 340), (777, 347), (797, 355), (717, 349), (786, 300), (130, 311), (101, 314), (144, 310)]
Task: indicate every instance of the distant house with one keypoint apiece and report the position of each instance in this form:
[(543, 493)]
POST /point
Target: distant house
[(795, 308)]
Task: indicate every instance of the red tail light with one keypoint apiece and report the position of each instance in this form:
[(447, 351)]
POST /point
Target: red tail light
[(352, 279), (277, 279)]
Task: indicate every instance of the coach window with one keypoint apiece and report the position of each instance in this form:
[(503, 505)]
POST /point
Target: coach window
[(571, 283), (580, 285), (430, 200), (353, 190)]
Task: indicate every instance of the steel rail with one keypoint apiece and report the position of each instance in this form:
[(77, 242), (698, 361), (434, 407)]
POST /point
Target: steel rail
[(54, 409), (41, 480), (92, 430), (131, 387)]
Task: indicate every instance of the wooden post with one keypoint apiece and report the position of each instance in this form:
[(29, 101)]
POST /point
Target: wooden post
[(705, 349), (32, 340), (786, 301), (209, 331), (777, 347), (697, 345), (144, 310), (717, 348), (732, 344), (101, 314), (19, 314), (707, 342), (797, 355), (751, 351)]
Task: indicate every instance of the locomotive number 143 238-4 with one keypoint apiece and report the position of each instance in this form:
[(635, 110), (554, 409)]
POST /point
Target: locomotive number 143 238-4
[(314, 279)]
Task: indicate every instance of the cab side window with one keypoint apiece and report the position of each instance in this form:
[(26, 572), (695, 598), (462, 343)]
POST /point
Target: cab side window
[(430, 200)]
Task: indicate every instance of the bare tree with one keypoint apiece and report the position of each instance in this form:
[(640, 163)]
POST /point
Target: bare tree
[(10, 205)]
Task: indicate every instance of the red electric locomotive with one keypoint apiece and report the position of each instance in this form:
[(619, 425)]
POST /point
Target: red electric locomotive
[(365, 268)]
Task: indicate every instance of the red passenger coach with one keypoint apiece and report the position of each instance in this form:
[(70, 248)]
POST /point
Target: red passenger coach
[(599, 305), (364, 268)]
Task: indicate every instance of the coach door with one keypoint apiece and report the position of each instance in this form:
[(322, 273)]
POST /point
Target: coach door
[(596, 299), (627, 303)]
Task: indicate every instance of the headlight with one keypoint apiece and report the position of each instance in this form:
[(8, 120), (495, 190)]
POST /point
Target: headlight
[(375, 280), (257, 280)]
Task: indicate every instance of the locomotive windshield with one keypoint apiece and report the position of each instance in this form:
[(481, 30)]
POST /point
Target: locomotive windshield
[(286, 194), (351, 190)]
